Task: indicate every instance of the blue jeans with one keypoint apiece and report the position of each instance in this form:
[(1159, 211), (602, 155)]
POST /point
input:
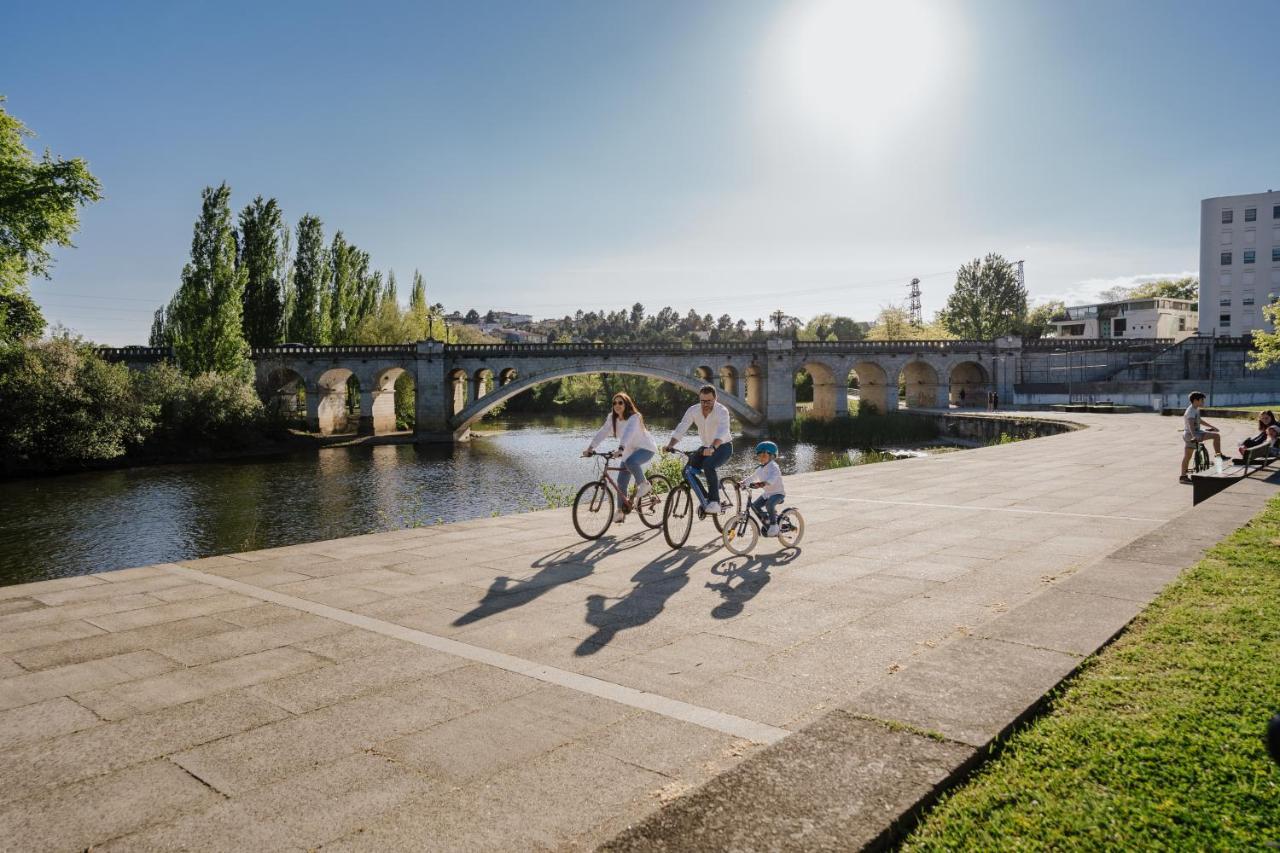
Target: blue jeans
[(633, 466), (708, 465), (768, 507)]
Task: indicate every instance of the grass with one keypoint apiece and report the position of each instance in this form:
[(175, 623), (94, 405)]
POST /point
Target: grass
[(1158, 742)]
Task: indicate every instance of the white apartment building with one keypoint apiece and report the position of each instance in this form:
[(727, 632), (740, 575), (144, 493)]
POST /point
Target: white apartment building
[(1132, 318), (1239, 261)]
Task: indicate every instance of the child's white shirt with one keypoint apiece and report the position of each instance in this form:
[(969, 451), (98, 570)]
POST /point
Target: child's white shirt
[(771, 476)]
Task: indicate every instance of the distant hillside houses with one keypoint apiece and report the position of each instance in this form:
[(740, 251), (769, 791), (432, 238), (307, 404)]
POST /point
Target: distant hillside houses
[(499, 324)]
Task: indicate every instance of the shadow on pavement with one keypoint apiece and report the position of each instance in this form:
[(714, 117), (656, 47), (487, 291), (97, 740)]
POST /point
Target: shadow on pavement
[(655, 583), (564, 565), (752, 575)]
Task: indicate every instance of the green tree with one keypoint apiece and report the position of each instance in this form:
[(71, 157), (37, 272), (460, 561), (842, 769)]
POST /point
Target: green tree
[(987, 302), (1167, 288), (390, 295), (261, 225), (205, 314), (307, 324), (420, 325), (20, 317), (39, 204), (894, 324), (344, 299), (1266, 345), (1039, 319), (161, 334), (39, 208)]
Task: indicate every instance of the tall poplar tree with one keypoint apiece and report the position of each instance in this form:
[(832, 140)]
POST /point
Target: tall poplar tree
[(260, 225), (344, 304), (419, 310), (205, 314), (309, 322)]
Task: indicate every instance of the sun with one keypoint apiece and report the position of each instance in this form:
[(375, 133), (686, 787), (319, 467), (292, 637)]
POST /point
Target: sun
[(861, 71)]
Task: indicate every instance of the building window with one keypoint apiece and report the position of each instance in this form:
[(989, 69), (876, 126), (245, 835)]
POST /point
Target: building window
[(1225, 303), (1275, 212), (1249, 255), (1247, 300), (1227, 217), (1224, 320), (1226, 238), (1118, 326), (1251, 214), (1226, 259), (1275, 254), (1182, 324)]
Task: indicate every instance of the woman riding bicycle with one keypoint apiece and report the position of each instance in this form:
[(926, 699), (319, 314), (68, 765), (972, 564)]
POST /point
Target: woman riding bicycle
[(635, 445)]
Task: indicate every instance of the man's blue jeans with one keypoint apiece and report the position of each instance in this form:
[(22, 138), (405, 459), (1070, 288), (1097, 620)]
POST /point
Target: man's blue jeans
[(633, 466), (708, 465)]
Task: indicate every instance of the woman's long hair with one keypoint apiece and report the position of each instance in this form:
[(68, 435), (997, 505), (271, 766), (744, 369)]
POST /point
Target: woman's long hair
[(628, 409), (1261, 426)]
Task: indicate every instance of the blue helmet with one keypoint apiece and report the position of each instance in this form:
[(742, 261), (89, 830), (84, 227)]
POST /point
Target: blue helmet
[(767, 447)]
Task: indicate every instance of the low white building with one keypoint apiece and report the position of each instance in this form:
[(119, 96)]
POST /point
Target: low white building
[(1239, 262), (1154, 317)]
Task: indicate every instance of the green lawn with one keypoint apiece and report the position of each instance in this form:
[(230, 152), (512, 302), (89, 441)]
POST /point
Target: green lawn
[(1158, 742)]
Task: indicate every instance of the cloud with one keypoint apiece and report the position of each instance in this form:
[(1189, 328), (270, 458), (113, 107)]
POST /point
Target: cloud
[(1089, 290)]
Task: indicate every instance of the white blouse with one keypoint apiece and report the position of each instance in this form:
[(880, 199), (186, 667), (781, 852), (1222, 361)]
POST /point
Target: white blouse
[(631, 435)]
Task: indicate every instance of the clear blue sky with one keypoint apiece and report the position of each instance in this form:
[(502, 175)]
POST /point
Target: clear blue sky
[(729, 155)]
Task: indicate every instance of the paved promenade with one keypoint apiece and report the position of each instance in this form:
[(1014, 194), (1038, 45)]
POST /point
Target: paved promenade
[(500, 684)]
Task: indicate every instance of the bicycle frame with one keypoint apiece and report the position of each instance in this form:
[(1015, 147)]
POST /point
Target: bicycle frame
[(610, 482), (690, 475)]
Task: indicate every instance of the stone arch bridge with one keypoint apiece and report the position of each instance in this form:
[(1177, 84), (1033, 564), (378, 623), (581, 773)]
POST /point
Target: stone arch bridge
[(456, 384)]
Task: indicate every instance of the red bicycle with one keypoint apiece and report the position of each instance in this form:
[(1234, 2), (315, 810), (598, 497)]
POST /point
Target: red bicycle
[(597, 501)]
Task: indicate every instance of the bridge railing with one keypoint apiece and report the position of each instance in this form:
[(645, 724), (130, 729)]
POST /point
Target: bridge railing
[(1096, 343), (292, 351), (135, 353), (899, 346), (602, 348)]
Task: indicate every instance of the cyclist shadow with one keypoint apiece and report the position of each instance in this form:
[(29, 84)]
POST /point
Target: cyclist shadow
[(656, 582), (561, 566), (752, 575)]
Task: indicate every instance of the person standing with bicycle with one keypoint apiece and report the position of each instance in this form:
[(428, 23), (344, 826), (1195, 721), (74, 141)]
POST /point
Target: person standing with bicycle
[(635, 446), (1195, 430), (712, 420)]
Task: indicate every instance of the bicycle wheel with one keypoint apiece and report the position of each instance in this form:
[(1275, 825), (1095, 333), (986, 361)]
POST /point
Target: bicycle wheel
[(677, 516), (593, 510), (790, 527), (730, 500), (1202, 458), (649, 508), (740, 534)]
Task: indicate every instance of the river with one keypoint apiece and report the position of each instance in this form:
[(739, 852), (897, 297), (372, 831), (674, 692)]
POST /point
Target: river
[(79, 523)]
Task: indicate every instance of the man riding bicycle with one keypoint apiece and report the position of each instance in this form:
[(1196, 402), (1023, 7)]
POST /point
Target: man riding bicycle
[(712, 420)]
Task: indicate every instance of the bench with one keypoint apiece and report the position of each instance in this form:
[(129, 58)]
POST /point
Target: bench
[(1206, 484)]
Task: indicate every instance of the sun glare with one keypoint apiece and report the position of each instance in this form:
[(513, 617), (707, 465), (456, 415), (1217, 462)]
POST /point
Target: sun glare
[(860, 71)]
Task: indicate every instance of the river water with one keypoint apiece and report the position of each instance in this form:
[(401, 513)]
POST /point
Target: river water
[(80, 523)]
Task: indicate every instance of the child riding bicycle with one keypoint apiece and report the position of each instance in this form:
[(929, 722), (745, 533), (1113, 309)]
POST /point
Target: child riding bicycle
[(769, 478)]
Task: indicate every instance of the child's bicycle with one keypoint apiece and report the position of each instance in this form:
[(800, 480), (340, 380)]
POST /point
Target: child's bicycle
[(593, 508), (742, 531), (1200, 460), (682, 506)]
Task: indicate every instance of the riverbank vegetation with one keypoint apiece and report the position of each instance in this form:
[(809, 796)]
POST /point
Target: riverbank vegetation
[(1158, 742), (62, 407)]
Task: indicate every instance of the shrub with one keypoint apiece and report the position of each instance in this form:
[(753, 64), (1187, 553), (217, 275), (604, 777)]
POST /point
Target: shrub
[(62, 406), (862, 431), (209, 411)]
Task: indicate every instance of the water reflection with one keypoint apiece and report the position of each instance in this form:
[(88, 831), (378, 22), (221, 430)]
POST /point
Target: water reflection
[(106, 520)]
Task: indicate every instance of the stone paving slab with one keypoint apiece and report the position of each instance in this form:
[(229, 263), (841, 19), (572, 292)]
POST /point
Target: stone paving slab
[(500, 684)]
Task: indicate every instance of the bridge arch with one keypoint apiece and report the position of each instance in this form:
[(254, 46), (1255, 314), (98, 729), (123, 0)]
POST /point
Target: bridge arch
[(476, 409), (729, 380), (873, 385), (830, 397), (924, 388), (970, 379), (327, 413)]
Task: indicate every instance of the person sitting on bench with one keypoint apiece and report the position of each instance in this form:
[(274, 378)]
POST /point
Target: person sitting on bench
[(1268, 433)]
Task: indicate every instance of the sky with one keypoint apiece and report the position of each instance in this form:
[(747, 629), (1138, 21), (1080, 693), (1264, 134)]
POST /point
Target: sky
[(731, 156)]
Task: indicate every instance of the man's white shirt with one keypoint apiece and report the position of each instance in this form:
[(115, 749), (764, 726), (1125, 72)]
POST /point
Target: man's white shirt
[(710, 427)]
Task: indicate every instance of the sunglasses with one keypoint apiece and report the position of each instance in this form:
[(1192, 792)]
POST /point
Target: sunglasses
[(619, 402)]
